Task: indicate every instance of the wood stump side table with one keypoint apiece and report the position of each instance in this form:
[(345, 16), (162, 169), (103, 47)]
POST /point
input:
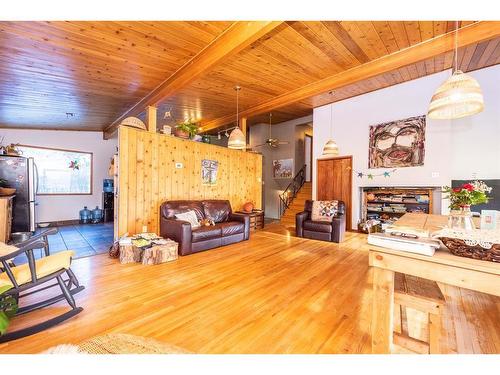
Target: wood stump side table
[(127, 254), (256, 219), (155, 254)]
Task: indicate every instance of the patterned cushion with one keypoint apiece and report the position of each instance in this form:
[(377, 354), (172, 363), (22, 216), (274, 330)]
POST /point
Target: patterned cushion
[(189, 216), (324, 210)]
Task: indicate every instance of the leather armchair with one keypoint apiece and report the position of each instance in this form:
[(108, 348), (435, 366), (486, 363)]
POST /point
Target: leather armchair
[(320, 230), (229, 227)]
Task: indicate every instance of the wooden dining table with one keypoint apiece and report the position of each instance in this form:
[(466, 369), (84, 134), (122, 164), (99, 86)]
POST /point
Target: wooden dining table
[(443, 267)]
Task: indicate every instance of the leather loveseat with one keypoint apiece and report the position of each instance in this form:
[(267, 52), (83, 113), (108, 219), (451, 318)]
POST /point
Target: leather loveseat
[(229, 227), (321, 230)]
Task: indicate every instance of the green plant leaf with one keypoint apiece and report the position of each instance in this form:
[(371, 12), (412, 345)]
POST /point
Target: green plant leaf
[(4, 323), (8, 308)]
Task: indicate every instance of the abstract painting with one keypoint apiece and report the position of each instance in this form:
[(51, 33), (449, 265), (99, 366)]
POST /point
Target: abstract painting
[(209, 171), (283, 168), (397, 144)]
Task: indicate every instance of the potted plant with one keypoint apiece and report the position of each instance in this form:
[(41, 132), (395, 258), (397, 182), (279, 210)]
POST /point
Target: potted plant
[(461, 198), (186, 129), (8, 308)]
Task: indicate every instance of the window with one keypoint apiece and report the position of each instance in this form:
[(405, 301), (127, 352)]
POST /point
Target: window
[(61, 171)]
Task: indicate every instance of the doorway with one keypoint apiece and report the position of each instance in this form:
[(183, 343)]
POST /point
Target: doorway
[(335, 182), (308, 149)]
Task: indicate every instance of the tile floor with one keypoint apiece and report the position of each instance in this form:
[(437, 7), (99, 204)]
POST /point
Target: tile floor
[(85, 239)]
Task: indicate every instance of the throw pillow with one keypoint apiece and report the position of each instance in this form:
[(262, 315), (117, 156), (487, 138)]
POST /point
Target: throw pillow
[(324, 210), (190, 217)]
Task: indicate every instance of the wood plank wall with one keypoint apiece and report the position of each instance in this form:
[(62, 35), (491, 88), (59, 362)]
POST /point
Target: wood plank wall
[(147, 176)]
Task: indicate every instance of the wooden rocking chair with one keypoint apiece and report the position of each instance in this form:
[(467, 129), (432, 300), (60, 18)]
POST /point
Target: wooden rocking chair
[(23, 278)]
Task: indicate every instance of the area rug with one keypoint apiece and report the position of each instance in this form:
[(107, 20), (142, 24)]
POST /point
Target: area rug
[(118, 343)]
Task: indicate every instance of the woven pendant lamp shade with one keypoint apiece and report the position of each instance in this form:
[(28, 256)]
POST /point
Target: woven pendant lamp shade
[(459, 96), (236, 140), (330, 149)]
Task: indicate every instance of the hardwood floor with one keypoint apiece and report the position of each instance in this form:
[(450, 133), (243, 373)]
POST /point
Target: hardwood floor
[(273, 294)]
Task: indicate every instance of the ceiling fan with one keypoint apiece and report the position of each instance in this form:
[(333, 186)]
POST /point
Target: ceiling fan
[(272, 142)]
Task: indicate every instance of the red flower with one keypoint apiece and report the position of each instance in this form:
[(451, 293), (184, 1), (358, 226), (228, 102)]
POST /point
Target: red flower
[(468, 187), (457, 190)]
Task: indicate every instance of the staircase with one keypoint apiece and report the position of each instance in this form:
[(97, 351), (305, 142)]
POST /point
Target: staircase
[(297, 205)]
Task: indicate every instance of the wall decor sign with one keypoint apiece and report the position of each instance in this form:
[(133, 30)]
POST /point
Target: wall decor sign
[(397, 144), (283, 168), (209, 171)]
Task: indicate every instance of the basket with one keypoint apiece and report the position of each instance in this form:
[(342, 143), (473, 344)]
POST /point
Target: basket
[(459, 247)]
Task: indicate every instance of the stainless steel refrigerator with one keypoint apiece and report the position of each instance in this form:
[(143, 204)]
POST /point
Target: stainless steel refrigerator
[(20, 174)]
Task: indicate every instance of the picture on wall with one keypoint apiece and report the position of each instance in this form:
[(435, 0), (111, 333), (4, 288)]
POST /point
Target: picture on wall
[(209, 171), (283, 168), (397, 144)]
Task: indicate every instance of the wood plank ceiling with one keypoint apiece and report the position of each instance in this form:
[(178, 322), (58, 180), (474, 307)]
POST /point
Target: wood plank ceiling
[(98, 70)]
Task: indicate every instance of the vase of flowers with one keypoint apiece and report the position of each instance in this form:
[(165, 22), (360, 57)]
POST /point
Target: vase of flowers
[(461, 199)]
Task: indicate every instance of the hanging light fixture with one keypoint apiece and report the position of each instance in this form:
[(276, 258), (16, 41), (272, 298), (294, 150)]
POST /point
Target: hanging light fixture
[(458, 96), (331, 148), (237, 139)]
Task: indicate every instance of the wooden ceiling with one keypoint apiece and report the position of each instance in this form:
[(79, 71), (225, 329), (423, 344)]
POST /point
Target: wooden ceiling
[(99, 70)]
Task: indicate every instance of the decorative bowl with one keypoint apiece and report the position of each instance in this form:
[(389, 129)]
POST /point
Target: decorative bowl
[(459, 247), (248, 207), (476, 243)]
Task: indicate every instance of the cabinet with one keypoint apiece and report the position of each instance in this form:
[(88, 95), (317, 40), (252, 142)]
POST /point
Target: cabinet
[(256, 219), (5, 218)]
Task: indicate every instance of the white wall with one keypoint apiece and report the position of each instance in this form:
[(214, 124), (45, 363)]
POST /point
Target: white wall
[(67, 207), (453, 149)]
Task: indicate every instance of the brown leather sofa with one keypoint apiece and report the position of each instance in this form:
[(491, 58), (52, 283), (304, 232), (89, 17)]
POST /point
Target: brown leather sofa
[(320, 230), (229, 227)]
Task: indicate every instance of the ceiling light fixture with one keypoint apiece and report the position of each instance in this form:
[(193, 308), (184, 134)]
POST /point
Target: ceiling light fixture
[(458, 96), (330, 148), (237, 139)]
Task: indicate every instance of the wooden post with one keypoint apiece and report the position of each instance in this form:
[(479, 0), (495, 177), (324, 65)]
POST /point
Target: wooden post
[(383, 310), (151, 118), (243, 127)]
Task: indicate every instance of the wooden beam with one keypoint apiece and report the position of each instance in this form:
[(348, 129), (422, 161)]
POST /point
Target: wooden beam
[(151, 118), (234, 39), (469, 34)]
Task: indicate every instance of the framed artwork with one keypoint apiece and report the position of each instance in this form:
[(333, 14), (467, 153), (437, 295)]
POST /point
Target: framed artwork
[(209, 171), (283, 168), (397, 144)]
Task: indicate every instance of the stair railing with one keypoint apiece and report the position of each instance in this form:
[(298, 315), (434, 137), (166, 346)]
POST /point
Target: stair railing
[(291, 190)]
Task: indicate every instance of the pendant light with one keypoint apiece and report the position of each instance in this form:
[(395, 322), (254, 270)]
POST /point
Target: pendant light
[(459, 96), (237, 139), (331, 148)]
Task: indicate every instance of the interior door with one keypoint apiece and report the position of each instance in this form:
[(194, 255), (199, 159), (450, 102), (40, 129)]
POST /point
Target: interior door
[(334, 182)]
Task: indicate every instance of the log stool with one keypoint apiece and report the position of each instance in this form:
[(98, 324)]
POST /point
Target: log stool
[(420, 298)]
